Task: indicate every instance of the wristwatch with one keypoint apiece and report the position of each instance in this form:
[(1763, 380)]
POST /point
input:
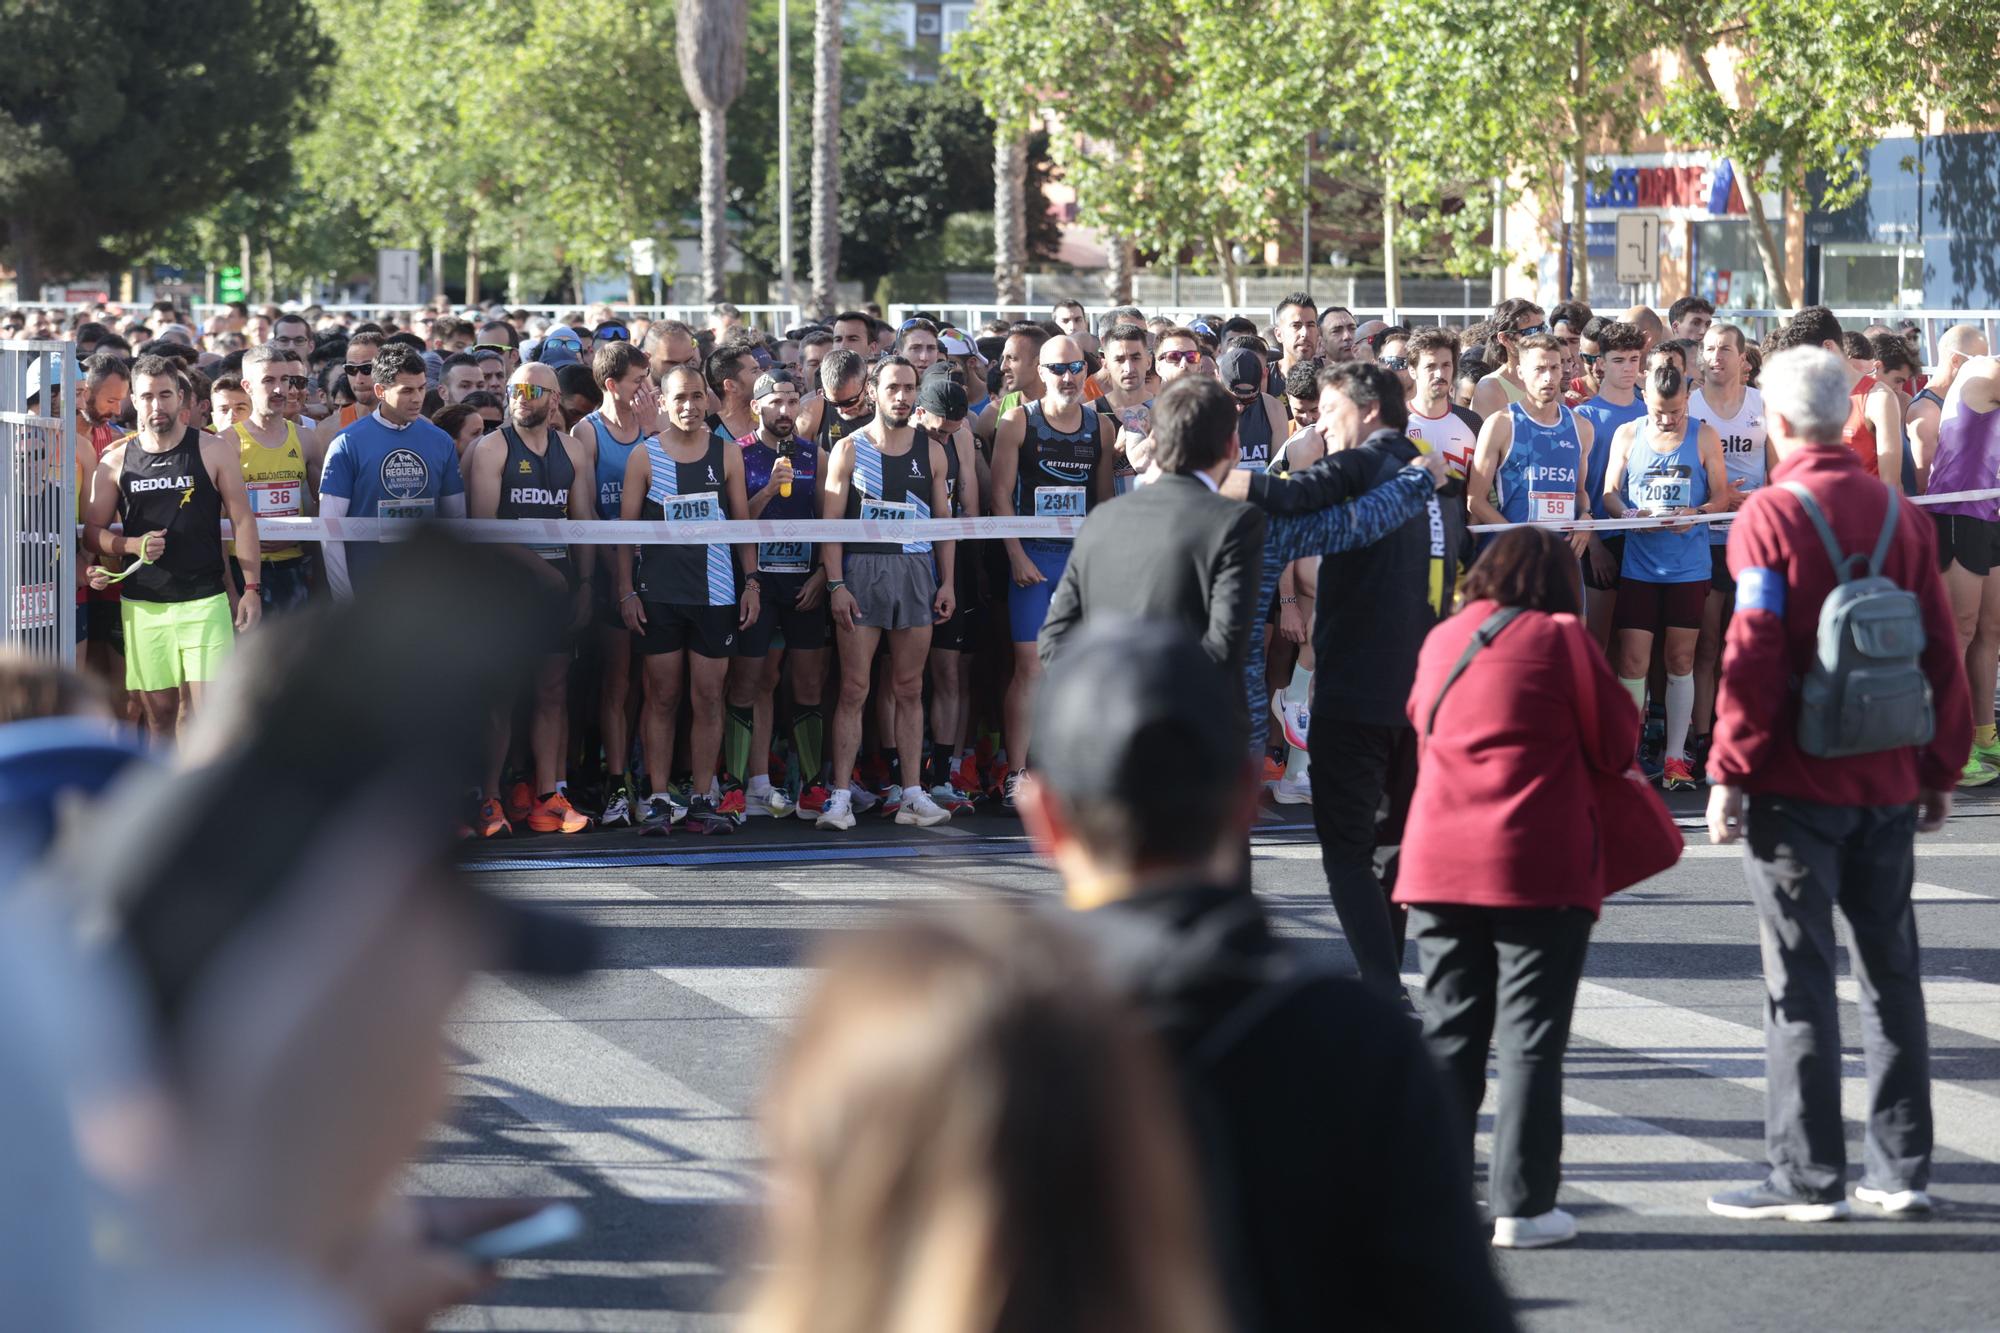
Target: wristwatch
[(834, 585)]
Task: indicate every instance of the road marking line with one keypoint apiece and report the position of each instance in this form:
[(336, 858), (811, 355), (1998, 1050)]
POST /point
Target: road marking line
[(1958, 1003)]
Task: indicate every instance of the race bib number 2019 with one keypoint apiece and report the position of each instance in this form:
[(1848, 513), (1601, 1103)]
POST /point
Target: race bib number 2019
[(703, 508)]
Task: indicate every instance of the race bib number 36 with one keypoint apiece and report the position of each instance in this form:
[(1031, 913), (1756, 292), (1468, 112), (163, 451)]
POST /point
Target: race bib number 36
[(703, 508), (1551, 506), (1059, 502), (274, 499)]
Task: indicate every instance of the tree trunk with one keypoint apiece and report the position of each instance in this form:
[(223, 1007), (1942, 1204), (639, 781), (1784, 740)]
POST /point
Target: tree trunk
[(243, 262), (471, 267), (270, 276), (27, 268), (1750, 181), (1226, 257), (1010, 215), (1118, 279), (437, 267), (825, 238), (1392, 282), (714, 188), (1579, 231)]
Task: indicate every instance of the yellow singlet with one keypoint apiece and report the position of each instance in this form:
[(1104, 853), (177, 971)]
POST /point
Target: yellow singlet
[(276, 477)]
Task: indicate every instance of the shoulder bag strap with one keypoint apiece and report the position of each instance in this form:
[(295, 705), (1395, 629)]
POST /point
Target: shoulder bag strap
[(1489, 630), (1840, 558)]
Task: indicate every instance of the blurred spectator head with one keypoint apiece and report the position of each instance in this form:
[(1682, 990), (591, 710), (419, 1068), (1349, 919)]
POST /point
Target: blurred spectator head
[(1528, 567), (1805, 392), (967, 1135)]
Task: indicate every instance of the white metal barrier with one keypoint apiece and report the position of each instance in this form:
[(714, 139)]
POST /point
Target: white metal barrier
[(38, 498)]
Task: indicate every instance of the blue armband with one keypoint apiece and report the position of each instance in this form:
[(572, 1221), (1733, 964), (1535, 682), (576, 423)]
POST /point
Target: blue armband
[(1760, 589)]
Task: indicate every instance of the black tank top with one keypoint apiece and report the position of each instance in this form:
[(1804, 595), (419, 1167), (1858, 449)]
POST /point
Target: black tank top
[(536, 485), (1253, 432), (686, 493), (172, 492), (1058, 473), (951, 466), (890, 486), (833, 428)]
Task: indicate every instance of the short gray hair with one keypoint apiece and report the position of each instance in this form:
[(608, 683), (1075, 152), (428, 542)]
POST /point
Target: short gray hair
[(1807, 386), (263, 354), (841, 365)]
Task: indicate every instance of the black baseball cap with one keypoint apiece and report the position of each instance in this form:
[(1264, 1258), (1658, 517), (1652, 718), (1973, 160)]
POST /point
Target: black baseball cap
[(1241, 371), (943, 396), (1135, 710)]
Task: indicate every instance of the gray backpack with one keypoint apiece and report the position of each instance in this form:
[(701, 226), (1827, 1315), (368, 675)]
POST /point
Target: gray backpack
[(1866, 690)]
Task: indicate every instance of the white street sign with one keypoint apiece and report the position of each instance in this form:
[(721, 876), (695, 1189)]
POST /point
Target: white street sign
[(642, 258), (396, 276), (1638, 248)]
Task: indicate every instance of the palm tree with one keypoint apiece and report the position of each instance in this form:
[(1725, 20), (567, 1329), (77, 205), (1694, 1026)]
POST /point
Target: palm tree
[(1118, 273), (825, 240), (709, 41), (1010, 214)]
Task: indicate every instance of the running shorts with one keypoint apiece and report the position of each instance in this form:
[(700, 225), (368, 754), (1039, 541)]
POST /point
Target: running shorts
[(891, 590), (672, 628), (1615, 543), (1972, 542), (1028, 607), (778, 612), (1653, 607), (170, 644)]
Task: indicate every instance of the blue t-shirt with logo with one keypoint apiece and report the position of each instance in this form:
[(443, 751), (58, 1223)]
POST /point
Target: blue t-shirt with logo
[(383, 472)]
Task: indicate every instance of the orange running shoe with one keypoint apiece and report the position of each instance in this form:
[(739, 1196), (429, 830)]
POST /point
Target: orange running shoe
[(1273, 770), (557, 815), (519, 801), (492, 821)]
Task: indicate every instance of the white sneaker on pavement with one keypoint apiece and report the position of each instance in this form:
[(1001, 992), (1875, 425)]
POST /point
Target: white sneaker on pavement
[(839, 812), (1532, 1233), (863, 799), (918, 808), (1894, 1201), (1293, 791), (767, 803)]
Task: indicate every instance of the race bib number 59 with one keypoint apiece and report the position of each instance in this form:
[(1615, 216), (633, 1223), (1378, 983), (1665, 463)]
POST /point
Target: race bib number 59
[(1551, 506)]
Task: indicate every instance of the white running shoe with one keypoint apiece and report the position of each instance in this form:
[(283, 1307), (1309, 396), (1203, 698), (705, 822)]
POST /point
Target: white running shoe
[(1762, 1203), (1293, 791), (839, 812), (1295, 718), (617, 811), (770, 803), (864, 800), (1532, 1233), (1894, 1201), (921, 810)]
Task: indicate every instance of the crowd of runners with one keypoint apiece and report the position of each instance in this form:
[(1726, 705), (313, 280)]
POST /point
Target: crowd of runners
[(698, 687)]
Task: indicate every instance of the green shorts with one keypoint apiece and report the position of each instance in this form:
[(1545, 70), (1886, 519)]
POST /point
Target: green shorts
[(168, 644)]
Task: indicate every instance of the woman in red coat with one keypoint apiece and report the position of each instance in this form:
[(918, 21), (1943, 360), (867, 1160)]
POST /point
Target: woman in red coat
[(1501, 863)]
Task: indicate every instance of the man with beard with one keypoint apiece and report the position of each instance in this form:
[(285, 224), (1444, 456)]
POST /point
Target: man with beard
[(1051, 459), (891, 471), (1297, 328), (527, 470), (1020, 378), (781, 479), (1128, 365), (281, 469)]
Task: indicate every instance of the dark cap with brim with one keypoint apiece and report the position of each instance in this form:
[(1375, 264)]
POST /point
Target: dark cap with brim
[(1131, 706)]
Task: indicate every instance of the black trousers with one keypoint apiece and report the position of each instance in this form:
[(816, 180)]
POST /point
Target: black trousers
[(1362, 777), (1802, 859), (1505, 976)]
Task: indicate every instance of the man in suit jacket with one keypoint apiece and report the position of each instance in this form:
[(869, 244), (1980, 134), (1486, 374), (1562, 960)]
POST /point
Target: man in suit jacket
[(1173, 550)]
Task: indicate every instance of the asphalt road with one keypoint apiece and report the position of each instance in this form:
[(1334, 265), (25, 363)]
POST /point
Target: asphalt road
[(633, 1092)]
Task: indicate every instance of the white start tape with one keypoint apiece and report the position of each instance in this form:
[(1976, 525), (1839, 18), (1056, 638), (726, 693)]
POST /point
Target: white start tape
[(1682, 520), (622, 532)]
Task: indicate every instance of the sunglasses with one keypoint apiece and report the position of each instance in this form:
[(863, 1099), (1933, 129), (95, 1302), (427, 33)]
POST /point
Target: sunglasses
[(848, 404), (528, 393), (614, 333), (294, 381), (1395, 363), (1180, 358), (1065, 367), (502, 348), (354, 368), (1534, 332), (1589, 358)]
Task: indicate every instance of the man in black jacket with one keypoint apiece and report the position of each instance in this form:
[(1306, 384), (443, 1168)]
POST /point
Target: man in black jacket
[(1376, 605), (1173, 550), (1338, 1193)]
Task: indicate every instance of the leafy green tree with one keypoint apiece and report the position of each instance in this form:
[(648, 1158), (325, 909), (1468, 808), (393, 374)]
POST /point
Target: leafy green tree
[(1818, 83), (118, 120)]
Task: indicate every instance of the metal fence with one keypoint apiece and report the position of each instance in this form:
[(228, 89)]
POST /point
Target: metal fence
[(38, 498)]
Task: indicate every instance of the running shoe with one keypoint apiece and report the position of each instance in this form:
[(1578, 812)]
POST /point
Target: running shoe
[(1677, 775), (656, 816), (519, 802), (556, 815), (862, 799), (679, 795), (1296, 719), (813, 800), (492, 821), (965, 775), (1987, 754), (921, 810), (1764, 1203), (1289, 791), (1010, 789), (734, 806), (703, 817), (890, 797), (1273, 771), (768, 803), (1977, 773), (839, 812), (951, 798), (1893, 1200), (618, 810)]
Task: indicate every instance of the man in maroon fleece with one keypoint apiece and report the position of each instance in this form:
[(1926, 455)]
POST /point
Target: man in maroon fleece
[(1825, 831)]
